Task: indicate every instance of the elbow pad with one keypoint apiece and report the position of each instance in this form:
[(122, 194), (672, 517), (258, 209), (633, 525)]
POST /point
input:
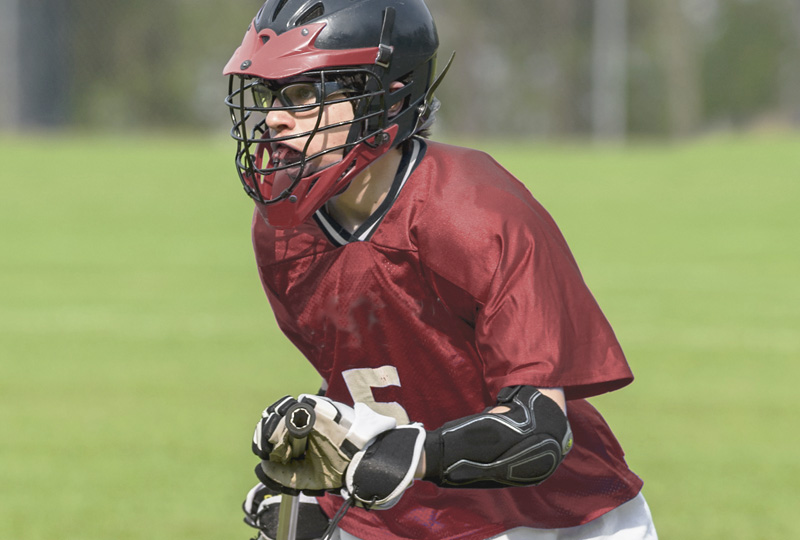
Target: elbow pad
[(520, 447)]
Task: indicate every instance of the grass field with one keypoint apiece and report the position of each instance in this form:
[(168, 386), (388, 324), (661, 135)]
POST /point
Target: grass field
[(137, 349)]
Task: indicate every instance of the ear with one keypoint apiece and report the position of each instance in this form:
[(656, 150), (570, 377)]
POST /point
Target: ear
[(394, 87)]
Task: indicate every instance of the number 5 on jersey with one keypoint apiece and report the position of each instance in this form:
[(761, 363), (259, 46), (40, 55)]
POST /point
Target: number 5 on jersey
[(361, 381)]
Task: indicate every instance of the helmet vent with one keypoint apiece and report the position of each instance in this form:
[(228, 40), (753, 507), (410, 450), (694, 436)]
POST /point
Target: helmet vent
[(315, 11), (281, 4)]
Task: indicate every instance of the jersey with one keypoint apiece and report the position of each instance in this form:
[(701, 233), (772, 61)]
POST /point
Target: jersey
[(459, 285)]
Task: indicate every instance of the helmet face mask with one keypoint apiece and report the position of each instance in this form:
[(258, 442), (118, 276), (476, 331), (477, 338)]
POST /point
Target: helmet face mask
[(329, 63), (294, 172)]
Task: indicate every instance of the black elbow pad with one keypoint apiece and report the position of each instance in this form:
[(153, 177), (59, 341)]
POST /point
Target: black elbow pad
[(520, 447)]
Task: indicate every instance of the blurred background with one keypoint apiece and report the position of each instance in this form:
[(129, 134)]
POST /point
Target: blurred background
[(136, 345), (544, 69)]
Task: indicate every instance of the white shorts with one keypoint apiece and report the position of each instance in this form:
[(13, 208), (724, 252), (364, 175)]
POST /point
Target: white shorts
[(629, 521)]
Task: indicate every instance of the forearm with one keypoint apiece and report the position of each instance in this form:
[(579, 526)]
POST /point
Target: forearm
[(528, 426)]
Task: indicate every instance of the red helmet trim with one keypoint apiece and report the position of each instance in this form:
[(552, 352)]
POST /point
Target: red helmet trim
[(313, 191), (268, 55)]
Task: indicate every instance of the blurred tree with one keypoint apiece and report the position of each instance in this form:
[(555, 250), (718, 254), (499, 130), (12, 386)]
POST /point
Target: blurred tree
[(520, 67), (523, 69), (10, 89), (43, 64), (134, 63), (742, 61), (151, 62), (680, 58), (566, 36), (790, 63), (647, 87), (609, 69)]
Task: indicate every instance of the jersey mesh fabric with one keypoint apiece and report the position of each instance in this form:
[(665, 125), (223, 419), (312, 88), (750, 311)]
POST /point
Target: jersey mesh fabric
[(467, 286)]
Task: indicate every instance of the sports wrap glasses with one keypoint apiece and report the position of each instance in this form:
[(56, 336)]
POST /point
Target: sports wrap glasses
[(297, 96)]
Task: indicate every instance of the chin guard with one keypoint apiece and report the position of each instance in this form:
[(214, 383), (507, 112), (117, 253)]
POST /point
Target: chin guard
[(520, 447)]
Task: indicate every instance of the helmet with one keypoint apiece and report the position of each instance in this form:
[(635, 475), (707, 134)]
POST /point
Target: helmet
[(344, 51)]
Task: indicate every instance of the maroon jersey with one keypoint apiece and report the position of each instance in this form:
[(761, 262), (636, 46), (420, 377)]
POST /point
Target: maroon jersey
[(460, 284)]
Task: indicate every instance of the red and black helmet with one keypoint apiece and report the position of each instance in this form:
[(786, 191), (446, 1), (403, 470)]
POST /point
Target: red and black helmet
[(358, 46)]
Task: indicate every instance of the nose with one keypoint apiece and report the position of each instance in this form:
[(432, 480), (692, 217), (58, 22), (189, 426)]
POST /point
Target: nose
[(280, 120)]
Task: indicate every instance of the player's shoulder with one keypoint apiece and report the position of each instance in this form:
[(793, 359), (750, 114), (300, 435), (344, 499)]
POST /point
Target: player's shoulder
[(472, 212), (463, 189), (465, 181), (462, 163)]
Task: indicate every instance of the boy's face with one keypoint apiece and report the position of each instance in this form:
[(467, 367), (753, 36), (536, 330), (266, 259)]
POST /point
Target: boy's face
[(284, 122)]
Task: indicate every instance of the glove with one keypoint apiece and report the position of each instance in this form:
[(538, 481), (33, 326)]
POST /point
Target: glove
[(339, 433), (262, 507), (379, 474)]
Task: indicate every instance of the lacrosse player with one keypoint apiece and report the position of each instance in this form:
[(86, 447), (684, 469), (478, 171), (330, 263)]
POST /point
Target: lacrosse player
[(455, 337)]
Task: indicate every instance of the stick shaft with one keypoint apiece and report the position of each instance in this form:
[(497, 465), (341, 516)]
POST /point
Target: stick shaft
[(287, 517), (299, 422)]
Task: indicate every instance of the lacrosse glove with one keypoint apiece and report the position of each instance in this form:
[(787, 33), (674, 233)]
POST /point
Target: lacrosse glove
[(262, 507), (354, 449)]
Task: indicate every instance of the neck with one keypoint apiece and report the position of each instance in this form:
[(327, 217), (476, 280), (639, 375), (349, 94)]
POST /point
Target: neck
[(366, 192)]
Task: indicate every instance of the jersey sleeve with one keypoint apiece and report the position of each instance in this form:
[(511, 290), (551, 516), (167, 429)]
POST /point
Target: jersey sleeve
[(535, 320), (541, 325)]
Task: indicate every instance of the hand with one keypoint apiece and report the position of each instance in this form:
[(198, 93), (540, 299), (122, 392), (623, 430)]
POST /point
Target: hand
[(380, 473), (262, 507), (339, 433)]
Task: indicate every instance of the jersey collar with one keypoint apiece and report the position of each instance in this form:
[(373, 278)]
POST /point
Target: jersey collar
[(340, 236)]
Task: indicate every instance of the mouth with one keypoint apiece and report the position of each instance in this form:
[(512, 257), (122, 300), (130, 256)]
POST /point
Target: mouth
[(284, 156)]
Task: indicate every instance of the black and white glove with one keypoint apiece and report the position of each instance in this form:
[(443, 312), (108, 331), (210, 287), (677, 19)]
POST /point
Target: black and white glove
[(353, 448), (339, 433), (379, 474), (262, 507)]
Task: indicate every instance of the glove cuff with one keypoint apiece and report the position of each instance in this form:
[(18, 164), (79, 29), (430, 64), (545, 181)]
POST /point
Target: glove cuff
[(379, 474)]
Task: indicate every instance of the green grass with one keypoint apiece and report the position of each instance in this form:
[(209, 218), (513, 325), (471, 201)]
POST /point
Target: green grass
[(137, 349)]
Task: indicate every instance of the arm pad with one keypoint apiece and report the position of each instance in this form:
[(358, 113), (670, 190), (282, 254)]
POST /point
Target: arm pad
[(520, 447)]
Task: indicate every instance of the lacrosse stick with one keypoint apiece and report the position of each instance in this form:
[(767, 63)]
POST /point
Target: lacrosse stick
[(299, 423)]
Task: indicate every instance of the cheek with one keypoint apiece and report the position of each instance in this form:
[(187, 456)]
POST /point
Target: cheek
[(338, 135), (340, 113)]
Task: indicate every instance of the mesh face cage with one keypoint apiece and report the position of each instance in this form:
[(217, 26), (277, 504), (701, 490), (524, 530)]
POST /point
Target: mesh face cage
[(254, 144)]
